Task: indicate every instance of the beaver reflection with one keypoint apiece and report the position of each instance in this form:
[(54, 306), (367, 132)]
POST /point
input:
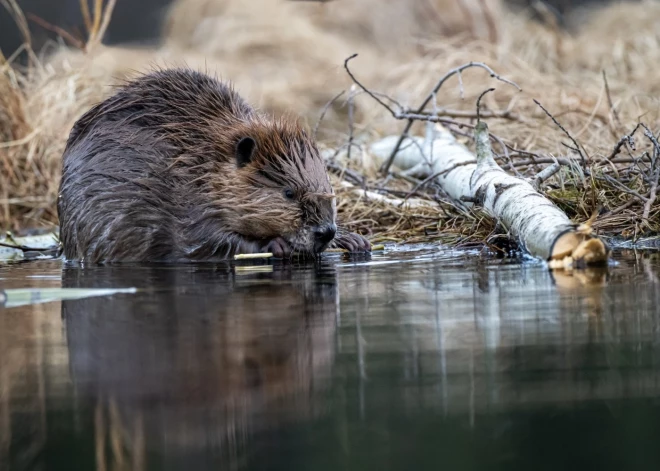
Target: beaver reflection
[(201, 359)]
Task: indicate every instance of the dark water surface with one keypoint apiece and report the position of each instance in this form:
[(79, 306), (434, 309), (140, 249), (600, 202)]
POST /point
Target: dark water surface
[(408, 360)]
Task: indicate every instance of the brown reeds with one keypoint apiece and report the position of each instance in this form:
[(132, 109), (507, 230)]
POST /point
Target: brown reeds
[(38, 106), (598, 84)]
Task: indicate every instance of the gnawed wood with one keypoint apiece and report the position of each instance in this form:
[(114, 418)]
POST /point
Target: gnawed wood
[(243, 256)]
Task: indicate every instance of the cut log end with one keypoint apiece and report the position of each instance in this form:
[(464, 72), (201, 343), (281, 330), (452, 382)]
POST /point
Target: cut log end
[(578, 249)]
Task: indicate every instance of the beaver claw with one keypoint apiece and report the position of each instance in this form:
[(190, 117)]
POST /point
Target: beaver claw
[(351, 242), (279, 247)]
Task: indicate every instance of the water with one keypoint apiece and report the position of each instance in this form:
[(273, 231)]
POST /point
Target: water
[(412, 360)]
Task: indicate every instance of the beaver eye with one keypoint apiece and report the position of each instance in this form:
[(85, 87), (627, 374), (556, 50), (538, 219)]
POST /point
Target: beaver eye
[(288, 193)]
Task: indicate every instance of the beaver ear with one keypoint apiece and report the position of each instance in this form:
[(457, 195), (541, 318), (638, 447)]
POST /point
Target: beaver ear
[(244, 151)]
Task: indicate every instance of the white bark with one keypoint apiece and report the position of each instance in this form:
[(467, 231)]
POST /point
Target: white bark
[(410, 203), (539, 226)]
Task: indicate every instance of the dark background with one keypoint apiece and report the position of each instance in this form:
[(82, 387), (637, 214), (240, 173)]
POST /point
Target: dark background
[(139, 21), (132, 21)]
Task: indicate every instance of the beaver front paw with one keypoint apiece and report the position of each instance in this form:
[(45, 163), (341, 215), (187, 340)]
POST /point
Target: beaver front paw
[(279, 247), (351, 242)]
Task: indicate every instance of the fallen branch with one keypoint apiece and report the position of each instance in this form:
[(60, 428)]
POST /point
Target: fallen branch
[(397, 202), (426, 116), (554, 120), (538, 226), (627, 139)]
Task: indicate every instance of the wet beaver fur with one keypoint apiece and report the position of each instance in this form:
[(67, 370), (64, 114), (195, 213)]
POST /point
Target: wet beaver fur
[(176, 166)]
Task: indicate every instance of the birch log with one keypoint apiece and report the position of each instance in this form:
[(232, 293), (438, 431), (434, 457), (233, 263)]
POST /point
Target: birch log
[(538, 225)]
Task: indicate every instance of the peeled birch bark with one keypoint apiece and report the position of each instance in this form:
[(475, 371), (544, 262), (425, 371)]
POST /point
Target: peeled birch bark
[(538, 225)]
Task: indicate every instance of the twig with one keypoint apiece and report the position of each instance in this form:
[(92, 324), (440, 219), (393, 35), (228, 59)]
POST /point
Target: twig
[(426, 117), (624, 188), (97, 35), (628, 138), (325, 110), (546, 173), (623, 207), (652, 197), (417, 115), (577, 146), (615, 114), (461, 89), (504, 114), (19, 18), (479, 102), (57, 30), (654, 175), (365, 89), (87, 19), (507, 156), (25, 248), (654, 141), (107, 15), (388, 163), (346, 173)]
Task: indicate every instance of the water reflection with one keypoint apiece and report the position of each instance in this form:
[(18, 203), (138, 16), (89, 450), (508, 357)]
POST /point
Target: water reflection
[(409, 360), (203, 365)]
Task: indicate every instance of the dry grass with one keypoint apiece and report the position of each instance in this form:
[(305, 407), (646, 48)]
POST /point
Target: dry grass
[(288, 57)]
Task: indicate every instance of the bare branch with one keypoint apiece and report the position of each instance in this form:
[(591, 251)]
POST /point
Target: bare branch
[(652, 196), (461, 89), (577, 146), (504, 114), (78, 43), (479, 102), (19, 18), (388, 163), (624, 188), (417, 115), (546, 174), (627, 139), (365, 89), (654, 175), (346, 173)]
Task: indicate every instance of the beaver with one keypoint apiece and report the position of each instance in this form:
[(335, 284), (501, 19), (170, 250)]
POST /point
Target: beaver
[(177, 166)]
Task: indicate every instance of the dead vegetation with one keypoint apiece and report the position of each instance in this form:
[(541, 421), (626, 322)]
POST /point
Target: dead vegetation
[(598, 86)]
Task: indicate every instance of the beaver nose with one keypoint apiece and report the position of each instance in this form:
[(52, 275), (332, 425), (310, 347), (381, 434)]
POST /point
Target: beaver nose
[(323, 235)]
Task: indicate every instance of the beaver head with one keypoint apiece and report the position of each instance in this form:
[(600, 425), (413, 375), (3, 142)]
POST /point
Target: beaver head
[(278, 185)]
